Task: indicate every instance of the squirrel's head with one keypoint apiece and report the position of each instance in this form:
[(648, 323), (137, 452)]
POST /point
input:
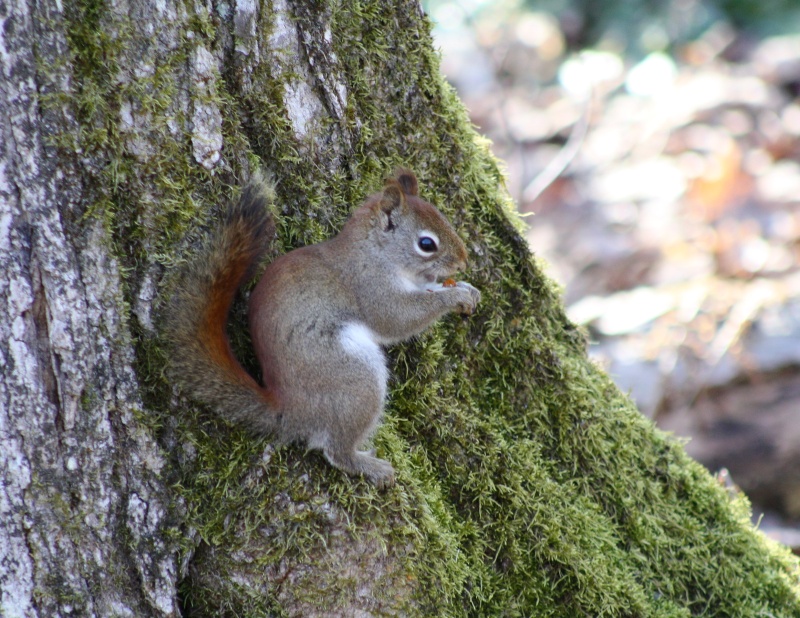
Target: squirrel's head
[(413, 234)]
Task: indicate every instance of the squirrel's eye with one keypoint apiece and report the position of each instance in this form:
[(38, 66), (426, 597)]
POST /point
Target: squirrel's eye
[(427, 244)]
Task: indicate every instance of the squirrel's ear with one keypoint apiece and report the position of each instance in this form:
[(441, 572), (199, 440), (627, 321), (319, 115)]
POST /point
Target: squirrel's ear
[(391, 202), (407, 181)]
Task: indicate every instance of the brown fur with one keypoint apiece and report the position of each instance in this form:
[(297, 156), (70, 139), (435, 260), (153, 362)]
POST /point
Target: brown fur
[(202, 359)]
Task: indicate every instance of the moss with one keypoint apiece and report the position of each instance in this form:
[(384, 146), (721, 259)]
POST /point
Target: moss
[(526, 481)]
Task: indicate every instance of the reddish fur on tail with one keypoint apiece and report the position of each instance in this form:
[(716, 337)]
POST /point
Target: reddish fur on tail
[(202, 360)]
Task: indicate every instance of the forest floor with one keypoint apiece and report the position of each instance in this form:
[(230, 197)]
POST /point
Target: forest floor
[(674, 225)]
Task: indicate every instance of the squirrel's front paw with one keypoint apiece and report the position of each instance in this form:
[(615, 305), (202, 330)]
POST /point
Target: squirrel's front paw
[(469, 297)]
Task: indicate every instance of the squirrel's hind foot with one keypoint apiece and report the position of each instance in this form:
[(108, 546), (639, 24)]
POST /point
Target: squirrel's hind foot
[(377, 471)]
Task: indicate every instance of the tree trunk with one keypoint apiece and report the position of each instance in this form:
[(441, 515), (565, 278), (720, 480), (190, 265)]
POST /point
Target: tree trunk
[(527, 484)]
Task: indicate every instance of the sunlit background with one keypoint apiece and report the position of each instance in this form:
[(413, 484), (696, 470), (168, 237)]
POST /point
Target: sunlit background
[(655, 148)]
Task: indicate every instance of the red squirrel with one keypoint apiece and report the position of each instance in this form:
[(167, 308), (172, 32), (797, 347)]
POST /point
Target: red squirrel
[(319, 318)]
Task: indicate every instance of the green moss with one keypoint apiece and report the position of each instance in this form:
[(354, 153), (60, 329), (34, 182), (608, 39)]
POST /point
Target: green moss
[(527, 484)]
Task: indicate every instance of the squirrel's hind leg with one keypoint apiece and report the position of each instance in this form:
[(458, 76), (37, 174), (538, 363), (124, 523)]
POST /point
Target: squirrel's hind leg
[(377, 471), (356, 417), (357, 376)]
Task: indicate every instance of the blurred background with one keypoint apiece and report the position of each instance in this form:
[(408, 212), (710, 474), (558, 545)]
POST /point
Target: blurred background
[(654, 147)]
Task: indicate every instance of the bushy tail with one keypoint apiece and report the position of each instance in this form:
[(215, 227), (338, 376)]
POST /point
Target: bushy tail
[(202, 361)]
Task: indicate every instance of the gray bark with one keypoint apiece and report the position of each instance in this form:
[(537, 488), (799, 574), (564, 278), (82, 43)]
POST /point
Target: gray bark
[(83, 512)]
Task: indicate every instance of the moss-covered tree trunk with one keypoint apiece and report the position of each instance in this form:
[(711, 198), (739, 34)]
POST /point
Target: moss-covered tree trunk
[(527, 484)]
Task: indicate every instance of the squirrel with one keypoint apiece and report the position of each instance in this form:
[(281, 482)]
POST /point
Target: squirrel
[(318, 318)]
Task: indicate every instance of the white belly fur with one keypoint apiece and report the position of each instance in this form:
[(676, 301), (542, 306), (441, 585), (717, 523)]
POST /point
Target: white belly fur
[(359, 341)]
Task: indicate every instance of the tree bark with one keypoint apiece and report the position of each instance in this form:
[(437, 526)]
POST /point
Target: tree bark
[(527, 484), (83, 510)]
